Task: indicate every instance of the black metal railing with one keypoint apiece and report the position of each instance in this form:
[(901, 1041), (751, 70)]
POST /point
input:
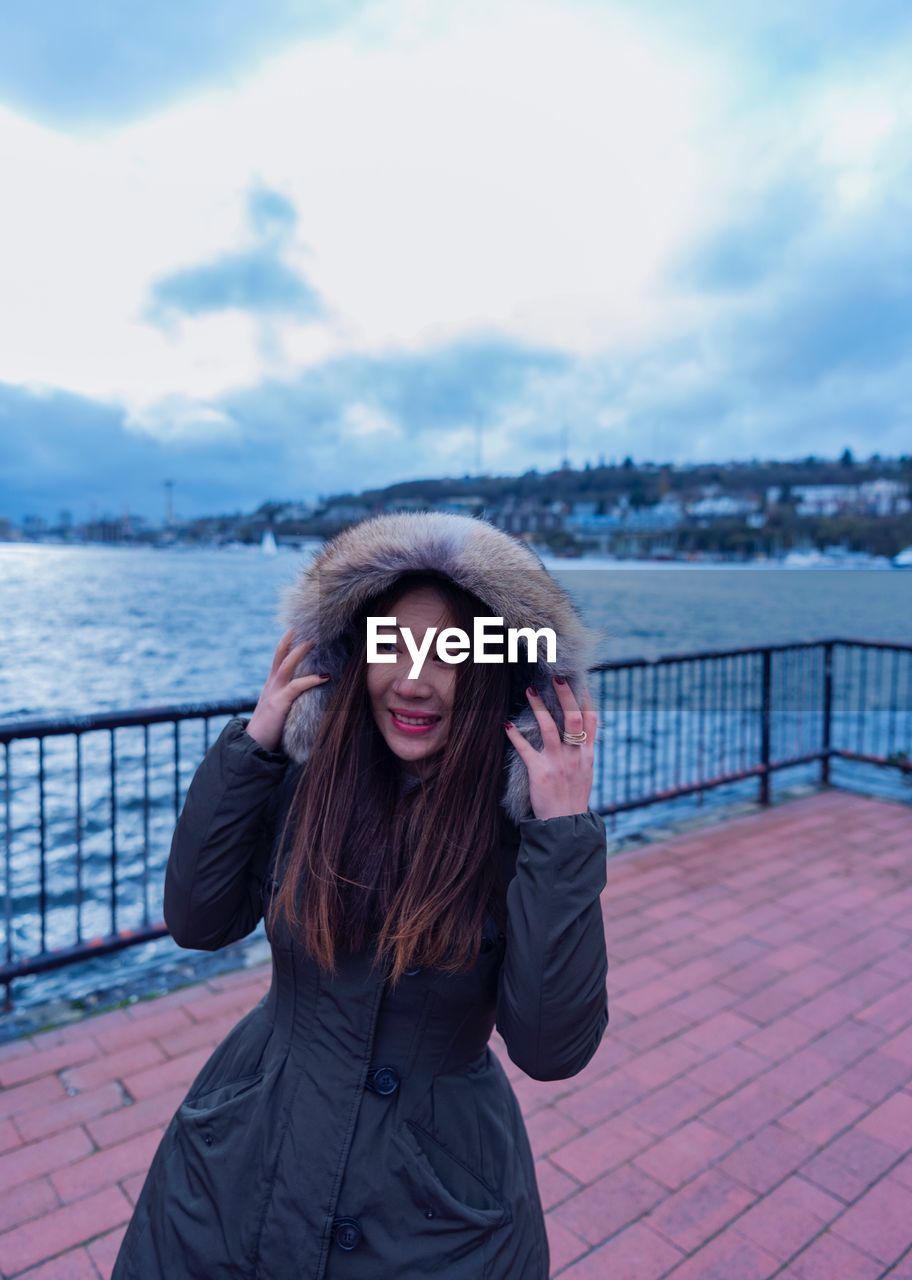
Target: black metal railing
[(85, 846), (689, 723), (89, 804)]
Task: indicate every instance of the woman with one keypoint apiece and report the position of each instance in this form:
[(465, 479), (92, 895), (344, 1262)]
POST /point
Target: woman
[(426, 872)]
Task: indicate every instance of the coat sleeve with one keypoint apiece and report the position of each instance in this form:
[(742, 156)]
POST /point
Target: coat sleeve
[(552, 1004), (222, 842)]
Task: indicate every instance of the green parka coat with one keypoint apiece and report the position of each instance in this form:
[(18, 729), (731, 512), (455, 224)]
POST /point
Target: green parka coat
[(345, 1129)]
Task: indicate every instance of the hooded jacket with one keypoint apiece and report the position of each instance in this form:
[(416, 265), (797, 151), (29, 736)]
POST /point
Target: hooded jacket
[(345, 1129)]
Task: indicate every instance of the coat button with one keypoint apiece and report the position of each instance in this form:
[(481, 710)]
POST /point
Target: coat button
[(347, 1232), (383, 1080)]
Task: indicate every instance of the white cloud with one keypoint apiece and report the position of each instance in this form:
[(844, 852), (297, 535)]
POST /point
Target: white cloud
[(524, 168), (174, 419), (364, 422)]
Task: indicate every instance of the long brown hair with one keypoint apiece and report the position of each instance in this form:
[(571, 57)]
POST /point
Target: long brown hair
[(411, 871)]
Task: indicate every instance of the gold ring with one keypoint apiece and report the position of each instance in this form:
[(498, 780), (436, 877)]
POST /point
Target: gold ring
[(576, 739)]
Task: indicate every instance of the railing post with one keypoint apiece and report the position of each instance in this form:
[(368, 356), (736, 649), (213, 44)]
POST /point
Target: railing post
[(8, 871), (827, 712), (765, 696)]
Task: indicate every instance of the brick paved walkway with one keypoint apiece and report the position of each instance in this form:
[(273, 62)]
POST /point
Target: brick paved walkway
[(748, 1115)]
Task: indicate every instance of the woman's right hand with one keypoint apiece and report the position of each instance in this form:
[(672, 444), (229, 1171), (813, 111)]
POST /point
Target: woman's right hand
[(279, 692)]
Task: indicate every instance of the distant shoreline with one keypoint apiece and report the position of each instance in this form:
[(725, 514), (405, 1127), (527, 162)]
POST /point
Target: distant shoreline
[(855, 561)]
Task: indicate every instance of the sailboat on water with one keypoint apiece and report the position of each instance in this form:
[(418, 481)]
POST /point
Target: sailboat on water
[(268, 543)]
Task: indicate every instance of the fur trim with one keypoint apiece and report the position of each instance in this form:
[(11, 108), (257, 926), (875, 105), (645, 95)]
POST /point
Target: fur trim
[(503, 573)]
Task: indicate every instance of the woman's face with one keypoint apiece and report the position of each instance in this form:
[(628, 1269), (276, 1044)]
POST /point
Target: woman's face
[(428, 697)]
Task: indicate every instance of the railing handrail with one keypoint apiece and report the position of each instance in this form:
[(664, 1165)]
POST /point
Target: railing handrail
[(615, 664), (53, 726), (49, 727)]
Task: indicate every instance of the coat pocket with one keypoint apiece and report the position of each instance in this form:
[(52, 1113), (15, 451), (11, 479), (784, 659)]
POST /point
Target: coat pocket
[(215, 1101), (209, 1208), (223, 1119), (443, 1184)]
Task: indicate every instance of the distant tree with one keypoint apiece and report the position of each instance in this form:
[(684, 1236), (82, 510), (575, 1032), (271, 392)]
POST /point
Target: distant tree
[(846, 459), (627, 464)]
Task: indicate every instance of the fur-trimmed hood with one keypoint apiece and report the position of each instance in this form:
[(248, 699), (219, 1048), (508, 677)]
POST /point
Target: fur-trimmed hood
[(503, 573)]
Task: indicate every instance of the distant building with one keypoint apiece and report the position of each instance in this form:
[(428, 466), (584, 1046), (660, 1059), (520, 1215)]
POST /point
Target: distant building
[(294, 511), (406, 504), (872, 497), (885, 497), (722, 506), (589, 522), (461, 505), (132, 524), (825, 499), (527, 515), (660, 515), (586, 518), (345, 512), (104, 530)]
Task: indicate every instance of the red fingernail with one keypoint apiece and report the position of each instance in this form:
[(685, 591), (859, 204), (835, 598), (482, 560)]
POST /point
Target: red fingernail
[(508, 724), (559, 680), (531, 692)]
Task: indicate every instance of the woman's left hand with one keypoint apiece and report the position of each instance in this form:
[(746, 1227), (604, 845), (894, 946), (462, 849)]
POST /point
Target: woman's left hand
[(560, 775)]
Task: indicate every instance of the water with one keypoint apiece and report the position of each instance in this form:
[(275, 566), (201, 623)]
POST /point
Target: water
[(106, 628), (88, 629)]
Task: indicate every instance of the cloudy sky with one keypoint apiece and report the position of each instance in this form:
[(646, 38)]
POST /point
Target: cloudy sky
[(289, 248)]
